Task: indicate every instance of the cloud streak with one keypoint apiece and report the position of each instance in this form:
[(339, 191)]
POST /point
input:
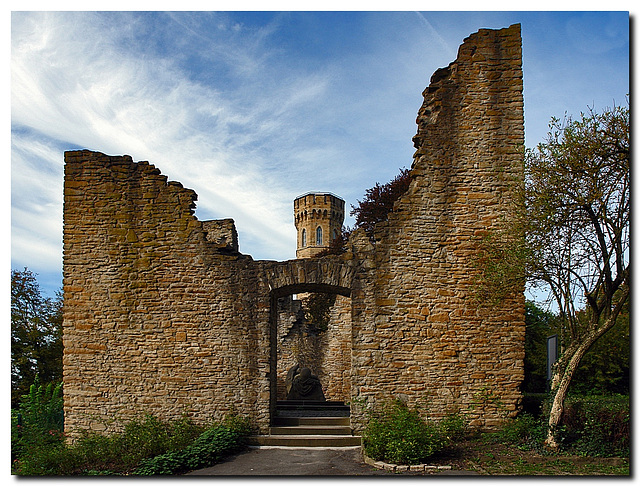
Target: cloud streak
[(120, 104)]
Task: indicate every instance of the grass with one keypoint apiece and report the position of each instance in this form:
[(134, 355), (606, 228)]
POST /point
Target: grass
[(487, 457)]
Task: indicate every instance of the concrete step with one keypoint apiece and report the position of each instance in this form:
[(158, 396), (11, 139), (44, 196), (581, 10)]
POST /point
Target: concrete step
[(293, 421), (310, 404), (311, 430), (306, 440)]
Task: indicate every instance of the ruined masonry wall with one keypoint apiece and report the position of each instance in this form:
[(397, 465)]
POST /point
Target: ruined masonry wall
[(156, 319), (424, 336), (162, 315)]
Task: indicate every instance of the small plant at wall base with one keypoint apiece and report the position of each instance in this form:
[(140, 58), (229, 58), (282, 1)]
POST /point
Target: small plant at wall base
[(146, 446), (399, 435)]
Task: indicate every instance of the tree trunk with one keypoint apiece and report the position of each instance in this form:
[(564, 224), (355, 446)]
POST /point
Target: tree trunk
[(563, 378), (563, 374)]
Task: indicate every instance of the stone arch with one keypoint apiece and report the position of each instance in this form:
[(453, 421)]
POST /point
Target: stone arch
[(326, 275)]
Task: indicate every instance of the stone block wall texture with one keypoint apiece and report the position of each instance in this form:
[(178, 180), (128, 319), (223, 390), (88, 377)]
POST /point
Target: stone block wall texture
[(156, 318), (423, 334), (162, 316), (222, 233)]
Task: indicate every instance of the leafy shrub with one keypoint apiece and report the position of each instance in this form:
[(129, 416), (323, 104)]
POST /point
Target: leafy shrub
[(454, 427), (400, 435), (39, 419), (116, 454), (525, 431), (590, 426), (48, 460), (596, 425), (207, 450)]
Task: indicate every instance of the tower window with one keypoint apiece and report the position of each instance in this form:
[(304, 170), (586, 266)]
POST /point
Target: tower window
[(319, 236), (304, 238)]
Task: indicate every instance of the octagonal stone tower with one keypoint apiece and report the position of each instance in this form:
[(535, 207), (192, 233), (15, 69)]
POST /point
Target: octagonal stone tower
[(318, 219)]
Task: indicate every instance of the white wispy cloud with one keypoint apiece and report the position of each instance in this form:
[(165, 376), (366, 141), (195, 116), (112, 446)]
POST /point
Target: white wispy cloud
[(74, 85), (36, 209), (442, 43), (261, 132), (248, 133)]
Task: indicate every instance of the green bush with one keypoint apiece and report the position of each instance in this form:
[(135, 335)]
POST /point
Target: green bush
[(590, 426), (399, 435), (145, 447), (525, 432), (38, 422), (207, 450), (116, 454), (596, 425)]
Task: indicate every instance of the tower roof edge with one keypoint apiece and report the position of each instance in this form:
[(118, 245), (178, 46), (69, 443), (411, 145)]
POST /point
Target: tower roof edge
[(318, 193)]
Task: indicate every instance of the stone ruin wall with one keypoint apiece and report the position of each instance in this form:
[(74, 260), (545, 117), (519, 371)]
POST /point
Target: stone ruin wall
[(425, 336), (157, 318), (162, 315)]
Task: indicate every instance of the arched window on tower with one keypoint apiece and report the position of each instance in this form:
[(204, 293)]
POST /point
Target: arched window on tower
[(304, 238), (319, 236)]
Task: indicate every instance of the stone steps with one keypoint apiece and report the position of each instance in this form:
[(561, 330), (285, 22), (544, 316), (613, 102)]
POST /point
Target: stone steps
[(309, 424), (311, 430), (307, 408), (306, 440), (314, 421)]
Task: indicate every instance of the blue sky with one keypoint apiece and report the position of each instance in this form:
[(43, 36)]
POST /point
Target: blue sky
[(251, 109)]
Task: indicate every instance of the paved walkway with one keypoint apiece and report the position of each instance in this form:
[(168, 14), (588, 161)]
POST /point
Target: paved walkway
[(290, 461)]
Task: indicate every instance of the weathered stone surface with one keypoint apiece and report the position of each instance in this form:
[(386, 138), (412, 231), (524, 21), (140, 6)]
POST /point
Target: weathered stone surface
[(417, 330), (162, 316), (222, 233)]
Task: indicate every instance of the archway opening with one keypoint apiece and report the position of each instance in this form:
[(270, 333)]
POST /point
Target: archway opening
[(311, 327)]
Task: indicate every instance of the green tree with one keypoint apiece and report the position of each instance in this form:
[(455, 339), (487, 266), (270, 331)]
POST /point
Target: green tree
[(36, 335), (569, 236), (605, 368), (576, 219)]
